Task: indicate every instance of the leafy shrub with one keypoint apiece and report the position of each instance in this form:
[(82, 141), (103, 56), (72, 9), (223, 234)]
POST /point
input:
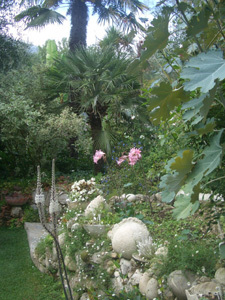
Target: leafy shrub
[(30, 215), (198, 257), (76, 241), (43, 244)]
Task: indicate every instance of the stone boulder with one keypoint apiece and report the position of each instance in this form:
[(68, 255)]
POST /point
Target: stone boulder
[(70, 223), (126, 234), (135, 278), (62, 239), (220, 275), (95, 205), (70, 263), (145, 277), (179, 281), (148, 285), (75, 227), (131, 197), (125, 266), (84, 297), (63, 198), (117, 283), (16, 212), (152, 289), (162, 251), (205, 289)]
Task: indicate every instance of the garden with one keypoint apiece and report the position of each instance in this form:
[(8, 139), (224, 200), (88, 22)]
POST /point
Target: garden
[(115, 151)]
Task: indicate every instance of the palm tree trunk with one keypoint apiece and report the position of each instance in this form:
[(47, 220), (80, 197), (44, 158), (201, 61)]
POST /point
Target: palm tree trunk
[(96, 127), (79, 20)]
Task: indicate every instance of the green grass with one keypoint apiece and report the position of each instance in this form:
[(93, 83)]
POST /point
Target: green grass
[(19, 278)]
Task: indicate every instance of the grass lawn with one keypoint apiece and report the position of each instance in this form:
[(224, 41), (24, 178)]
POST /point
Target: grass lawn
[(19, 278)]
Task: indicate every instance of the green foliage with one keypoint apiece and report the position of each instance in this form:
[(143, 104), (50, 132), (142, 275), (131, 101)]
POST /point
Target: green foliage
[(203, 70), (43, 244), (163, 100), (33, 136), (198, 22), (39, 16), (101, 87), (204, 75), (51, 52), (184, 207), (222, 250), (185, 204), (123, 295), (13, 53), (76, 241), (182, 166), (156, 39), (190, 256), (30, 215)]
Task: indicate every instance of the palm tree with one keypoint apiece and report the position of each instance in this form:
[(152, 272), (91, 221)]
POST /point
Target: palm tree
[(42, 12), (97, 82), (121, 42)]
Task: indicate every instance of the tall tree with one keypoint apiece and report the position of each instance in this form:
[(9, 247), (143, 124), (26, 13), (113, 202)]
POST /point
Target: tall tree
[(12, 52), (42, 12)]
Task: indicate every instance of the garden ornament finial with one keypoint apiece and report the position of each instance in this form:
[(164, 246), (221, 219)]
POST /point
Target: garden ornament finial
[(54, 209)]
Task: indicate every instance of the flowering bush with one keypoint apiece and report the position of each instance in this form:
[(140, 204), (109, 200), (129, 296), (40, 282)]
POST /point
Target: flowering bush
[(83, 190), (133, 156), (118, 176)]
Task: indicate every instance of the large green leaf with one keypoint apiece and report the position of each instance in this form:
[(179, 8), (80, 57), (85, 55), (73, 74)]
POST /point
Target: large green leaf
[(184, 207), (51, 52), (206, 128), (199, 107), (203, 70), (163, 100), (172, 183), (199, 22), (188, 203), (211, 160), (183, 177), (222, 250), (156, 39), (213, 154)]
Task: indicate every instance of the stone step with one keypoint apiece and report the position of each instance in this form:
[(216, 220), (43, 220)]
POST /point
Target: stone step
[(35, 232)]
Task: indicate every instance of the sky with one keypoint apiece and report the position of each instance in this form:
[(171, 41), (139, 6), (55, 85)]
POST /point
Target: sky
[(95, 31), (57, 32)]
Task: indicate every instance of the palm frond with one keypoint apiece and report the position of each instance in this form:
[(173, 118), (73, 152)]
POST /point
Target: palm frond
[(42, 3), (31, 2), (117, 12), (98, 76), (105, 139), (37, 16), (52, 3)]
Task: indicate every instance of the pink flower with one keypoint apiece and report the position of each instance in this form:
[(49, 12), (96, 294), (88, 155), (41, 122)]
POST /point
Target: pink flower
[(134, 155), (98, 155), (121, 159)]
